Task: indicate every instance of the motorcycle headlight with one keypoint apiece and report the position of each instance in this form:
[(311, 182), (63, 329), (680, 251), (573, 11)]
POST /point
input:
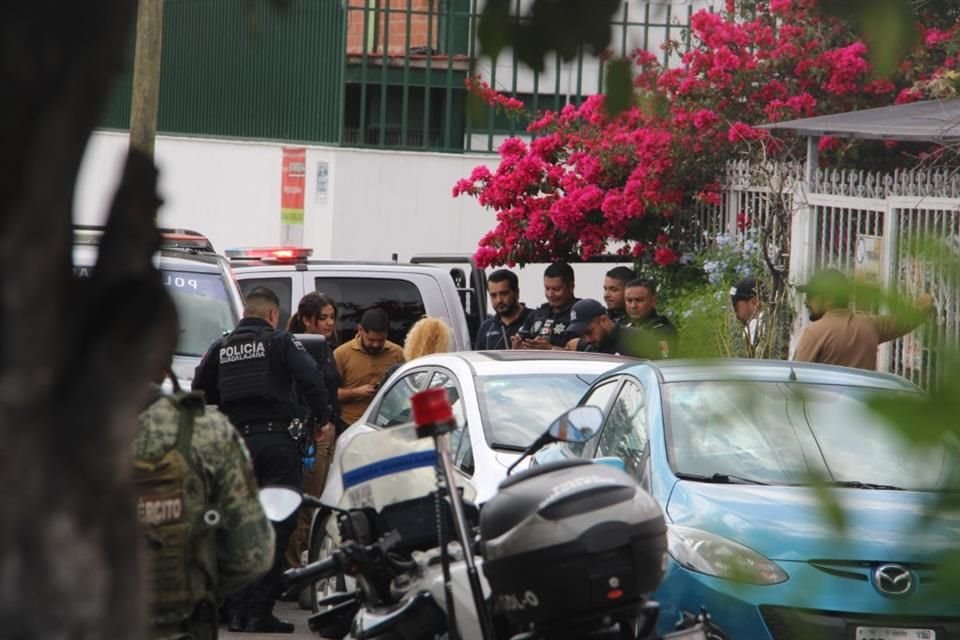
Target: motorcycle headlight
[(713, 555)]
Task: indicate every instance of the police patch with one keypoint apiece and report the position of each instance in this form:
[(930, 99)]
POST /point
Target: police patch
[(241, 352)]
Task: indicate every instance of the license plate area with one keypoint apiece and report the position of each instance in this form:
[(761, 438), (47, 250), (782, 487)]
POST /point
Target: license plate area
[(894, 633)]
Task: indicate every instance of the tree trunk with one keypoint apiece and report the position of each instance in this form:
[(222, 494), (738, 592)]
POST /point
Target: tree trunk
[(145, 98), (74, 356)]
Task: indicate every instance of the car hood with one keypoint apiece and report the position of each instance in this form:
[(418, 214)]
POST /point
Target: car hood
[(791, 523)]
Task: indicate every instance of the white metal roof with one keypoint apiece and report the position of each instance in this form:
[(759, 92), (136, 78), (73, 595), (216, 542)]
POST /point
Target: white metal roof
[(924, 121)]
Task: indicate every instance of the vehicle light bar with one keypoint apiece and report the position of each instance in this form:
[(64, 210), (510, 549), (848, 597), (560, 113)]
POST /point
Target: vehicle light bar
[(184, 239), (270, 254), (169, 238)]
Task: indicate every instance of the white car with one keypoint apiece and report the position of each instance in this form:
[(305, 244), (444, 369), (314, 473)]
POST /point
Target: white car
[(502, 401)]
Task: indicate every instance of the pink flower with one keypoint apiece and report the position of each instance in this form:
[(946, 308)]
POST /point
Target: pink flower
[(846, 66), (829, 143), (933, 37), (705, 118), (709, 197), (910, 94), (741, 131), (780, 6), (664, 257)]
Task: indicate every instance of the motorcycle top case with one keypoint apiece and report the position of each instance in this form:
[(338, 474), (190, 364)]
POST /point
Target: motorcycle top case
[(571, 541)]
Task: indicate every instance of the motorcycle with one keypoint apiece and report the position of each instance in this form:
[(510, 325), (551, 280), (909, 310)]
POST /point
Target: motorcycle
[(563, 550)]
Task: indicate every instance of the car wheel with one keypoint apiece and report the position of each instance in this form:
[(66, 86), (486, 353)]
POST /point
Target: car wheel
[(321, 546)]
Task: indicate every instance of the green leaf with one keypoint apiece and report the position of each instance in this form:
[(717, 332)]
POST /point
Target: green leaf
[(619, 86), (494, 27), (829, 504), (890, 32), (888, 27)]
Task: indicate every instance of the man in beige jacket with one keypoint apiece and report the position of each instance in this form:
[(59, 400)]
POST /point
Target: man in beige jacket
[(840, 336)]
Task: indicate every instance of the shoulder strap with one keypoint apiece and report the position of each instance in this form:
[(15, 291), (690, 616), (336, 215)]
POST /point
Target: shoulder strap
[(189, 406)]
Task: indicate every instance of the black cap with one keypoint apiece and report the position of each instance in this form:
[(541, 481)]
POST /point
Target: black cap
[(746, 289), (583, 313), (826, 282)]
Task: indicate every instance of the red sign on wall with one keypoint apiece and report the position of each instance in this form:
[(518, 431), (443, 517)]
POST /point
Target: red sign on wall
[(294, 177)]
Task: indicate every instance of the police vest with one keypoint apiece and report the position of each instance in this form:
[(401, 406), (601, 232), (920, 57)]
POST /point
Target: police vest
[(178, 522), (245, 368)]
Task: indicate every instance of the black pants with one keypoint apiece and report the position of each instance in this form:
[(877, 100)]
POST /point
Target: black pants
[(276, 461)]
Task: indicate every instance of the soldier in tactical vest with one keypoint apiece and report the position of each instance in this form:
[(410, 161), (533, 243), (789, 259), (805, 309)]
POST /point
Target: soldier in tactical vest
[(251, 375), (197, 501)]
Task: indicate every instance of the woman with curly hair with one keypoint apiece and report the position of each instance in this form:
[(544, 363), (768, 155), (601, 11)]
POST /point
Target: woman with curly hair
[(426, 336)]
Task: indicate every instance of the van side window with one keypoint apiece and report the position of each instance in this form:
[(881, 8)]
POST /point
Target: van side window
[(401, 300), (283, 287)]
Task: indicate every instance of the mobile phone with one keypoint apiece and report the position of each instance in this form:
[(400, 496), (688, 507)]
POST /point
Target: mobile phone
[(524, 333)]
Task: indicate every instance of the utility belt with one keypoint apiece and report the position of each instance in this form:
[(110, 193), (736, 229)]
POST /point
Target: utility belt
[(300, 431), (291, 428)]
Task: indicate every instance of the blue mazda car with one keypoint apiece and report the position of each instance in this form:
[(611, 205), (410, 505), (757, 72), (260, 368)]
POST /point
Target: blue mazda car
[(743, 456)]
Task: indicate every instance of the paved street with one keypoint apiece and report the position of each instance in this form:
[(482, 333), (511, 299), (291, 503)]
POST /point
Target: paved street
[(285, 611)]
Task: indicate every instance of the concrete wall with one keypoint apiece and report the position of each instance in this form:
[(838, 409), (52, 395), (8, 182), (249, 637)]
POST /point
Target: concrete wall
[(377, 203)]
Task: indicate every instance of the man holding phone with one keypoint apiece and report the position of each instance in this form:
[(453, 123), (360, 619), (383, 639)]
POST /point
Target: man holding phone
[(546, 327), (362, 363), (498, 330)]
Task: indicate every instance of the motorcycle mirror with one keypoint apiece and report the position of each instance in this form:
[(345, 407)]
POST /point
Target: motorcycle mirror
[(576, 425), (279, 503)]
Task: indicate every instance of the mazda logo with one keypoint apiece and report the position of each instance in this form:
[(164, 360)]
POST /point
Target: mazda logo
[(893, 580)]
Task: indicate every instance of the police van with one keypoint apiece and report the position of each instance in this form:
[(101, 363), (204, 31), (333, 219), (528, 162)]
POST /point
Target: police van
[(407, 292), (200, 281)]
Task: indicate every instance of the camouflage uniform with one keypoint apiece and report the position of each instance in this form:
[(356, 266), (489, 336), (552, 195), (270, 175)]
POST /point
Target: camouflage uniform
[(235, 550)]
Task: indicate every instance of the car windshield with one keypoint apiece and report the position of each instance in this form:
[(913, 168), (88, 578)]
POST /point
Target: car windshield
[(775, 433), (516, 409), (203, 309)]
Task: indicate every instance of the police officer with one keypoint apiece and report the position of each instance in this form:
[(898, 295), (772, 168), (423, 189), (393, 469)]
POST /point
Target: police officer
[(251, 375), (590, 322), (546, 326)]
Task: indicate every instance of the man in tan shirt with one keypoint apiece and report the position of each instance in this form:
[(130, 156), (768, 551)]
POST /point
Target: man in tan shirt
[(362, 363), (841, 337)]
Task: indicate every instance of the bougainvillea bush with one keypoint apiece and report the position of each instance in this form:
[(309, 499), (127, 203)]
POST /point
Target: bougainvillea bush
[(588, 184)]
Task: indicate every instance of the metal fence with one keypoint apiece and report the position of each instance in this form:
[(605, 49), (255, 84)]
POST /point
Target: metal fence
[(406, 63), (368, 73), (902, 212)]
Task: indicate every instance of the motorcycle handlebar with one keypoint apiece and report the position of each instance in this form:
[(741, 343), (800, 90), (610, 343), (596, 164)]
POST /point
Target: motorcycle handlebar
[(314, 571)]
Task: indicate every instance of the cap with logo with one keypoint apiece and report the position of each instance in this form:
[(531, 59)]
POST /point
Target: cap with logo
[(746, 289), (583, 313)]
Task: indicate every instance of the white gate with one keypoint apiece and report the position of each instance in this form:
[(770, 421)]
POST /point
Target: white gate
[(907, 210)]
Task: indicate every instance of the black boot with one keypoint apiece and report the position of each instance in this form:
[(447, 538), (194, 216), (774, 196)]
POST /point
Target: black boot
[(268, 624)]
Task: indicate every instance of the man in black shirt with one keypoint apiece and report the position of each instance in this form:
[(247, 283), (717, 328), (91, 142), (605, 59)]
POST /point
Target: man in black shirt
[(546, 327), (497, 331)]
